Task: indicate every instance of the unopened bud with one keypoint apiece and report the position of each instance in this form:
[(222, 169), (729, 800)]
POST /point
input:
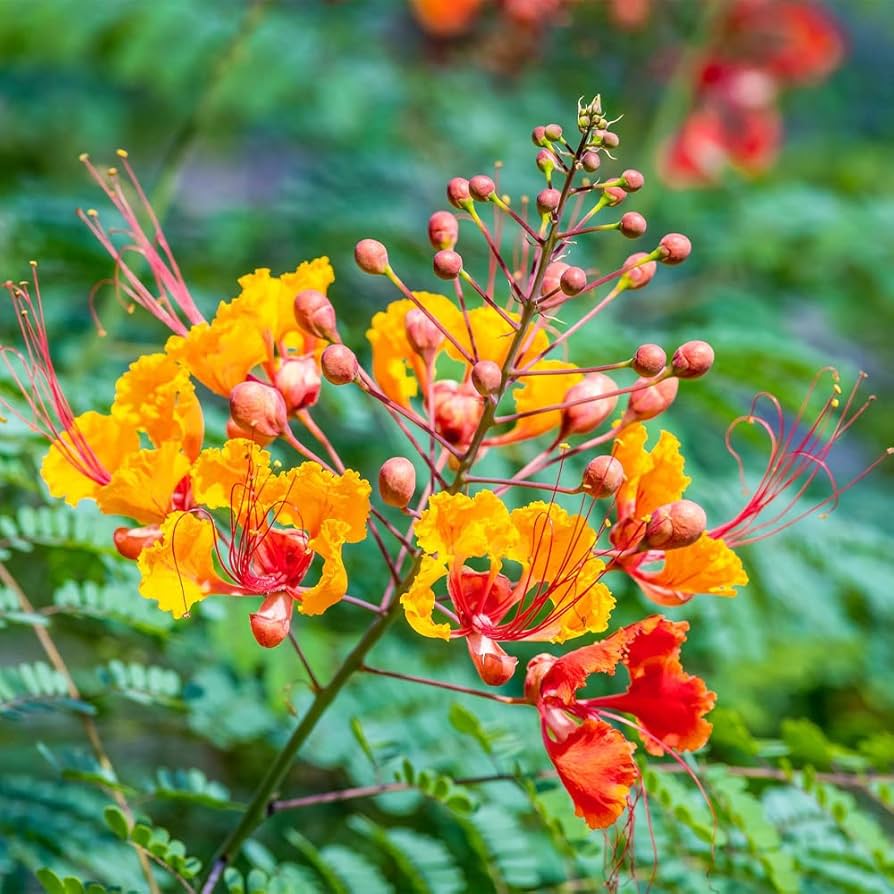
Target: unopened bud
[(546, 161), (423, 335), (447, 264), (538, 667), (590, 161), (371, 256), (270, 623), (538, 136), (649, 360), (675, 247), (130, 542), (649, 402), (573, 281), (548, 200), (486, 377), (553, 132), (458, 193), (692, 359), (481, 187), (552, 277), (234, 430), (633, 180), (315, 315), (603, 476), (397, 481), (614, 195), (494, 665), (590, 409), (632, 225), (443, 230), (638, 274), (675, 525), (339, 364), (608, 139), (458, 410), (257, 406), (298, 381)]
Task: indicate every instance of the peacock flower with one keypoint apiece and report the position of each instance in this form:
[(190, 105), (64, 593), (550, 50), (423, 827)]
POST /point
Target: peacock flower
[(655, 483), (279, 521), (558, 594), (594, 760)]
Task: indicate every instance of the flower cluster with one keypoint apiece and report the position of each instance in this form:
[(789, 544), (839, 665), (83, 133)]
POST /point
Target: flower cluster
[(461, 374)]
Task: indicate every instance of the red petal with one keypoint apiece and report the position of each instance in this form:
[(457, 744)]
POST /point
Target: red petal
[(596, 766), (494, 666), (570, 672), (270, 623)]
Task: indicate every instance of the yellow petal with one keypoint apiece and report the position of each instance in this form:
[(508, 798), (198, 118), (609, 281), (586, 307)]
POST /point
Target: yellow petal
[(493, 336), (665, 481), (142, 486), (419, 599), (178, 570), (588, 604), (316, 274), (156, 396), (333, 582), (630, 451), (226, 474), (108, 438)]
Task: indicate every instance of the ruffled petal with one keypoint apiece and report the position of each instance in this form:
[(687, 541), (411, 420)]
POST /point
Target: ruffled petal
[(493, 336), (552, 543), (224, 476), (419, 599), (570, 672), (584, 604), (333, 582)]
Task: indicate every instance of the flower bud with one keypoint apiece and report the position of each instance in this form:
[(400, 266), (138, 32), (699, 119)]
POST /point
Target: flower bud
[(298, 381), (270, 623), (583, 417), (538, 667), (602, 477), (590, 161), (633, 180), (548, 200), (614, 195), (637, 274), (443, 230), (646, 403), (546, 161), (649, 360), (675, 525), (259, 407), (423, 335), (486, 377), (552, 277), (447, 264), (553, 132), (397, 481), (458, 410), (315, 315), (692, 359), (458, 193), (130, 542), (675, 247), (494, 666), (371, 256), (573, 281), (234, 430), (481, 187), (339, 364), (608, 139), (538, 136), (632, 225)]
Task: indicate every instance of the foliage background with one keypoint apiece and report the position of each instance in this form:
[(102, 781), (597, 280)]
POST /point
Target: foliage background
[(274, 132)]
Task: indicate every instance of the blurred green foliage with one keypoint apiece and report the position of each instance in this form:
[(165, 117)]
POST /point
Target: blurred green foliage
[(274, 132)]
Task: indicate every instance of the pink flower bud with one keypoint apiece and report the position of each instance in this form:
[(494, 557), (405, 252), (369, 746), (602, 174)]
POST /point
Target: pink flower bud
[(553, 132), (676, 248), (270, 623), (424, 336), (130, 542), (603, 476), (298, 381), (649, 360), (637, 274), (590, 161), (315, 315), (538, 668), (458, 410), (234, 430), (538, 135), (632, 225), (608, 139), (371, 256), (546, 161), (339, 364), (447, 264), (552, 277), (548, 200), (583, 417), (633, 180), (573, 281), (494, 666), (692, 359), (675, 525), (647, 403), (397, 481), (481, 187), (259, 407), (614, 195), (443, 230), (458, 193), (486, 377)]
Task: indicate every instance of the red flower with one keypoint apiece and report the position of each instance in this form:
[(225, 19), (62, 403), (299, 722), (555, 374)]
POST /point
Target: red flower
[(594, 760)]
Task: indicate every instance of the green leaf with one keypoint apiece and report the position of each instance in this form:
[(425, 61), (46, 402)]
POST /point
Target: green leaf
[(117, 822)]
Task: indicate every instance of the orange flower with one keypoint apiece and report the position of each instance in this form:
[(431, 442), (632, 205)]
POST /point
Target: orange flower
[(594, 760), (445, 18)]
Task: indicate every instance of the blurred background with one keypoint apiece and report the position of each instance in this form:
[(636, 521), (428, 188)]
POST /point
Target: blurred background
[(268, 133)]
